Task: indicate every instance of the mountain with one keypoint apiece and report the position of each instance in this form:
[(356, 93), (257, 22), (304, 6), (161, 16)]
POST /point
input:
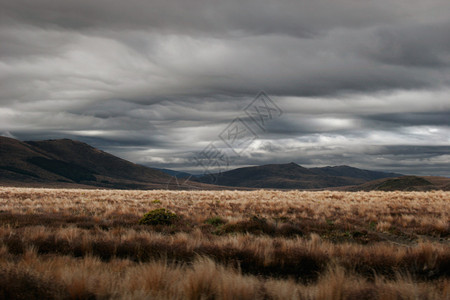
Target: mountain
[(293, 176), (405, 183), (178, 174), (350, 172), (66, 162)]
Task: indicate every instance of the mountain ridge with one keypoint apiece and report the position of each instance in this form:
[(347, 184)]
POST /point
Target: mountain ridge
[(66, 162), (294, 176)]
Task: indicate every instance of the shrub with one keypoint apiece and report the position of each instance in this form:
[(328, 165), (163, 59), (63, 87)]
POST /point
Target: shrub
[(215, 221), (160, 216)]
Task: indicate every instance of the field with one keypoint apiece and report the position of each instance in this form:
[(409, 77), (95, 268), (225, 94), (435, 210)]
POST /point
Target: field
[(88, 244)]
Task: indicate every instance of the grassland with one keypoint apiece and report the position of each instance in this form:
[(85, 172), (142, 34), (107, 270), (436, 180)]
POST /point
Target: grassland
[(87, 244)]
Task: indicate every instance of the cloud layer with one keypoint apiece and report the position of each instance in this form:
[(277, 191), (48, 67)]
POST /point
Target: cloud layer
[(360, 83)]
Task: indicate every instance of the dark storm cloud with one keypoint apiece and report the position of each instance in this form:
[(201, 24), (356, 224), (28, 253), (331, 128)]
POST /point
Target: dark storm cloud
[(410, 119), (364, 83), (261, 17), (421, 45)]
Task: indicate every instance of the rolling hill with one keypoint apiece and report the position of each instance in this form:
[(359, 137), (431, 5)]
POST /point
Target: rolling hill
[(405, 183), (71, 163), (293, 176)]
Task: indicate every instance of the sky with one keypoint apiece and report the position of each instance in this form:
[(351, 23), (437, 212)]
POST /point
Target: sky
[(164, 83)]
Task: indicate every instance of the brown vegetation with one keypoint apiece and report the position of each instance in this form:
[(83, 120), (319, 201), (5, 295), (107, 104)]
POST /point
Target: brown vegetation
[(86, 244)]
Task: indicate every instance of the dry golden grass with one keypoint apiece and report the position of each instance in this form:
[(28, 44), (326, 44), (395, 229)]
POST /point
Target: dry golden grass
[(89, 277), (87, 244)]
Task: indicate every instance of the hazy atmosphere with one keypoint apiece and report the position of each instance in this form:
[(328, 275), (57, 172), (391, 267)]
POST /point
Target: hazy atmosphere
[(360, 83)]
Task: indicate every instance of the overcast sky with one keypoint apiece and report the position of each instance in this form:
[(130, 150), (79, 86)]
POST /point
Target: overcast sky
[(361, 83)]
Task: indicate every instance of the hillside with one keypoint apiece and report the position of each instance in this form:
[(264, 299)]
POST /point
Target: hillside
[(350, 172), (71, 163), (405, 183), (178, 174), (293, 176)]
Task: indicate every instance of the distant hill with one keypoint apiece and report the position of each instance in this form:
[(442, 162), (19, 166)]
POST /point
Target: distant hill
[(71, 163), (350, 172), (293, 176), (405, 183), (178, 174)]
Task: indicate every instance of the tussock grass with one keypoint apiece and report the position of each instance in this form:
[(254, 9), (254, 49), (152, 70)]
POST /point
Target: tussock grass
[(86, 244), (413, 212), (65, 277)]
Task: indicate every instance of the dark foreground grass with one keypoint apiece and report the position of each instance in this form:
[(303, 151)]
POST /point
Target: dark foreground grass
[(300, 258)]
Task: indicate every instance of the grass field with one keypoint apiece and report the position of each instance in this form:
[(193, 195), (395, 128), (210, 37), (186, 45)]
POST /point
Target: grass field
[(88, 244)]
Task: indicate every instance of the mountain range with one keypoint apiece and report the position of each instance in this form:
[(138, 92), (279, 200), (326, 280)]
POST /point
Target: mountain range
[(69, 163), (293, 176)]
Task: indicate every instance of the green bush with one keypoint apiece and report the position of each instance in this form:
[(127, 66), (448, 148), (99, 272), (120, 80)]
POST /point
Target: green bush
[(160, 216), (215, 221)]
